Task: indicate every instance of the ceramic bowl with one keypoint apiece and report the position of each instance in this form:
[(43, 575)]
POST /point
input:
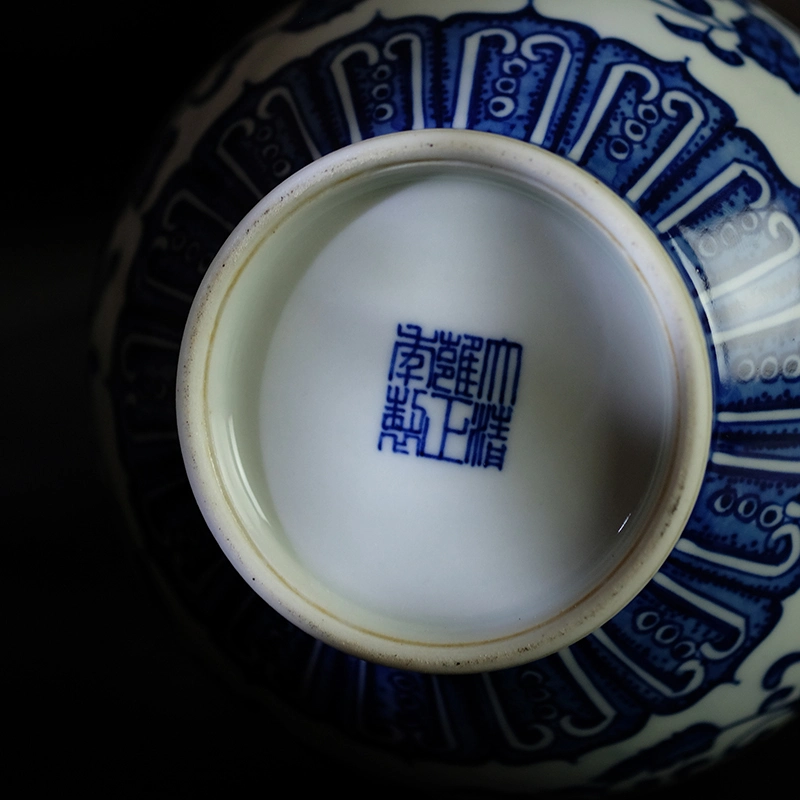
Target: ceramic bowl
[(493, 396)]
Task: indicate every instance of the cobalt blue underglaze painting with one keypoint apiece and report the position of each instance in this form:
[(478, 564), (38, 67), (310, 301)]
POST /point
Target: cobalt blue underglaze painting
[(715, 197), (450, 396), (756, 38)]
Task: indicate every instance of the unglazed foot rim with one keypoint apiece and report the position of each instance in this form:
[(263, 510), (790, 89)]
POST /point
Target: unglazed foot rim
[(308, 283)]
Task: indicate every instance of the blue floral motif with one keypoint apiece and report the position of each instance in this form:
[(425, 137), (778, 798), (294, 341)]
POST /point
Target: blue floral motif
[(770, 48), (757, 38), (696, 35)]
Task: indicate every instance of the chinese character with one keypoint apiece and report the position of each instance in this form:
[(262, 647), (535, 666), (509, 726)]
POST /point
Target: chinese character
[(497, 370), (412, 359), (451, 396)]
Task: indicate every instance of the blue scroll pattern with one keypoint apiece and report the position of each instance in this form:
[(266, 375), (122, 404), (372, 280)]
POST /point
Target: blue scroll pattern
[(727, 217)]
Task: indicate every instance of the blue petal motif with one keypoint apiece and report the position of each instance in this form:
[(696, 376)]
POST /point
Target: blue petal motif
[(697, 7), (728, 56), (684, 31), (770, 48)]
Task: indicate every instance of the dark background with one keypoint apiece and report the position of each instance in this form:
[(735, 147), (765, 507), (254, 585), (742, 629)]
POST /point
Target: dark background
[(104, 694)]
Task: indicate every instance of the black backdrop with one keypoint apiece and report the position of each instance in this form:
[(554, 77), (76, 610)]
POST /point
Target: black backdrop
[(103, 694)]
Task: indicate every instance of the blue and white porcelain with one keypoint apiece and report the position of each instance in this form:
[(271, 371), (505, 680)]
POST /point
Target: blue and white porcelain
[(653, 143)]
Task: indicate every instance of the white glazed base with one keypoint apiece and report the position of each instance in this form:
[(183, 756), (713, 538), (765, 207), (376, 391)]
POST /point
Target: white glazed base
[(293, 350), (466, 551)]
